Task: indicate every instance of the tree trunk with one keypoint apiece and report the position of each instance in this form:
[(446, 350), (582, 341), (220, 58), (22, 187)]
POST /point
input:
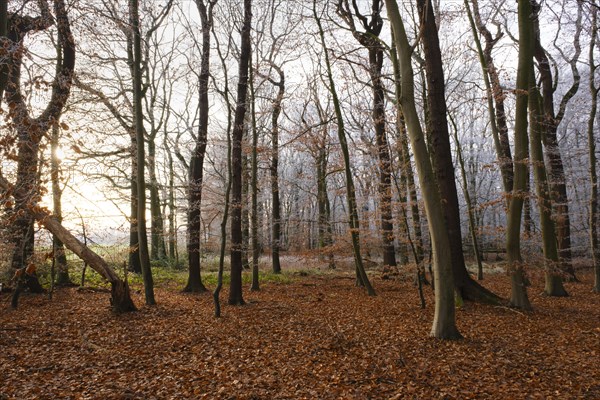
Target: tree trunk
[(30, 130), (121, 299), (275, 170), (134, 253), (495, 94), (556, 171), (353, 220), (235, 285), (554, 285), (134, 20), (470, 211), (254, 189), (157, 228), (62, 277), (196, 172), (372, 26), (519, 298), (592, 152), (437, 127), (444, 323)]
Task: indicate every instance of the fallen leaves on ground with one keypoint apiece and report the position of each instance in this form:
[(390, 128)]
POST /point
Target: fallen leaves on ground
[(318, 337)]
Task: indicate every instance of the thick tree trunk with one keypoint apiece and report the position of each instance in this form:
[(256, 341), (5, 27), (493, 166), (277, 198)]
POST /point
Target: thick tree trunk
[(437, 127), (196, 172), (444, 323), (30, 130), (134, 254)]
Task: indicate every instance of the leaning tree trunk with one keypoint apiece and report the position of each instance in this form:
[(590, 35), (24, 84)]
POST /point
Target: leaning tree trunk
[(444, 323), (235, 284), (121, 298), (495, 94)]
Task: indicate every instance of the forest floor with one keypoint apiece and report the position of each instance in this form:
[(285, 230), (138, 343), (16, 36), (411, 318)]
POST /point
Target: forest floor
[(312, 337)]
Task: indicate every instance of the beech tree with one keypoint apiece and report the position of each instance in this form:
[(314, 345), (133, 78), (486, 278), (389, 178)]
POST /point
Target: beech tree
[(31, 130), (519, 296), (444, 323), (196, 171), (372, 24), (362, 278)]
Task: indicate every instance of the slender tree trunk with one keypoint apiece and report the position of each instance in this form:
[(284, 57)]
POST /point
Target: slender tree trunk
[(246, 177), (254, 189), (519, 296), (353, 220), (495, 94), (60, 258), (471, 214), (444, 323), (592, 152), (235, 285), (556, 171), (157, 228), (554, 285), (275, 171), (134, 253), (172, 233), (134, 20), (372, 25)]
